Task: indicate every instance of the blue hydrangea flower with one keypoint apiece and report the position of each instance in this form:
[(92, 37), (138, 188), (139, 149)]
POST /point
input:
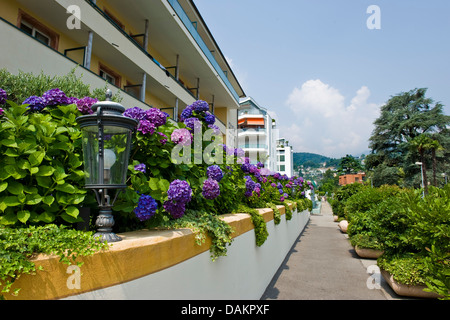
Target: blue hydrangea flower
[(214, 172), (211, 189), (84, 105), (192, 123), (187, 113), (210, 118), (140, 167), (179, 191), (146, 126), (55, 97), (135, 113), (156, 116), (176, 210), (200, 105), (35, 103), (146, 207)]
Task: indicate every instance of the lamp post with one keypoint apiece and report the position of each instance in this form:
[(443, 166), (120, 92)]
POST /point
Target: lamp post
[(421, 171), (106, 139)]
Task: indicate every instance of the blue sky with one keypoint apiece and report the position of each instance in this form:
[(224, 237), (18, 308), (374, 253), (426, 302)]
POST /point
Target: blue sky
[(322, 72)]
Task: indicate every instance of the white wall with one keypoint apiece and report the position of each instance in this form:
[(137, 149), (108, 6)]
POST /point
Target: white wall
[(244, 273)]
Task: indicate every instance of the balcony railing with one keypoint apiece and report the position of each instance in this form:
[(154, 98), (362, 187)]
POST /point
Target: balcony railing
[(253, 146), (192, 30)]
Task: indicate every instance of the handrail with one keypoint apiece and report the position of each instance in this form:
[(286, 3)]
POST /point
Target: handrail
[(198, 39), (132, 40)]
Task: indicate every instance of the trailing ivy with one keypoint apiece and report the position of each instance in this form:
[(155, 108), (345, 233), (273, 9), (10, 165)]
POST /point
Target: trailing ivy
[(261, 232), (203, 225), (19, 245), (276, 212)]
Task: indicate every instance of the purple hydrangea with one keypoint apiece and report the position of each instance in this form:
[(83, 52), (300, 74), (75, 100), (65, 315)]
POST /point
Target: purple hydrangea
[(245, 167), (3, 96), (179, 191), (181, 136), (140, 167), (135, 113), (156, 116), (200, 105), (211, 189), (146, 207), (192, 123), (210, 118), (146, 127), (164, 138), (176, 210), (215, 128), (260, 165), (55, 97), (84, 105), (35, 103), (187, 113), (214, 172)]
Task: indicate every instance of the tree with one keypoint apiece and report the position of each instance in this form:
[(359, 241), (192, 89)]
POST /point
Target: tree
[(403, 118), (422, 144), (349, 164)]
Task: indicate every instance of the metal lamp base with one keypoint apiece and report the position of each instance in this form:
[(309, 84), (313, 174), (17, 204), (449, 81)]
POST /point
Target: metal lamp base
[(104, 224)]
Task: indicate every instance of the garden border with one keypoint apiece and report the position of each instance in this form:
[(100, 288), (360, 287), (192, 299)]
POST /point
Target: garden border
[(169, 264)]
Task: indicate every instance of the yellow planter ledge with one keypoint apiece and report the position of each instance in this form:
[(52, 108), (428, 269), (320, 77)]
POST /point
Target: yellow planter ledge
[(140, 253)]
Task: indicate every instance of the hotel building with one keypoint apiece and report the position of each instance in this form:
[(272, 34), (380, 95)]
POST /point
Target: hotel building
[(157, 53), (257, 133)]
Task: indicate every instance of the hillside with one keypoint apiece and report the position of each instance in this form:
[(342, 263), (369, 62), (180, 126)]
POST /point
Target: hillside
[(313, 160)]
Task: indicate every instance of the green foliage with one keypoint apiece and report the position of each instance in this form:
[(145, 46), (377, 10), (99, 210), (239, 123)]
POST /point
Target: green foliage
[(41, 176), (258, 222), (203, 224), (403, 118), (23, 85), (341, 196), (18, 245)]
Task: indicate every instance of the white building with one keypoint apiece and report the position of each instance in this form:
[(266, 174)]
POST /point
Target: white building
[(257, 133), (285, 157)]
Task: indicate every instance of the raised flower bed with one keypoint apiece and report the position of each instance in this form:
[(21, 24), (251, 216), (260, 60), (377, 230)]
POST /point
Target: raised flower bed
[(181, 176)]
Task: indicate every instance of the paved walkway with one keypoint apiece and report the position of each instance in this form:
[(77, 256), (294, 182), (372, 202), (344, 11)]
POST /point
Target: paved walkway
[(322, 265)]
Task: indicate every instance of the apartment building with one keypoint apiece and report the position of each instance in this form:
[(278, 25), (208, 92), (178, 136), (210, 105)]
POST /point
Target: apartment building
[(257, 133), (285, 157), (157, 53)]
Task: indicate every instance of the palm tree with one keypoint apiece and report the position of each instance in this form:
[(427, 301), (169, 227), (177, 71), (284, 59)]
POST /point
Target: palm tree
[(435, 146)]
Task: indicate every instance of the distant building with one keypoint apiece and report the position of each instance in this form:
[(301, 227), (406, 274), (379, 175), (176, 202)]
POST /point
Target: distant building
[(285, 157), (257, 133), (351, 178)]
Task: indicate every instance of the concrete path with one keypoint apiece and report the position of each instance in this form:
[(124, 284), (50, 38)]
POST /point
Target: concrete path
[(322, 265)]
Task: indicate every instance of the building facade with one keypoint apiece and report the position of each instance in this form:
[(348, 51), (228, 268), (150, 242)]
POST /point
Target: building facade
[(257, 133), (157, 53), (285, 157), (351, 178)]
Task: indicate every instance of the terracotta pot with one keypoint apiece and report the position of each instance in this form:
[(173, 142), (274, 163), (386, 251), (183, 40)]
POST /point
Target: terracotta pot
[(368, 253), (343, 225), (407, 290)]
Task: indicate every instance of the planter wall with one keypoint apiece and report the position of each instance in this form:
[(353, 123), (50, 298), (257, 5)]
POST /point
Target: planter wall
[(168, 264), (368, 253), (407, 290)]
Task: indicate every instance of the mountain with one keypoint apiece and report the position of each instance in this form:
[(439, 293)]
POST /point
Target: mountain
[(313, 160)]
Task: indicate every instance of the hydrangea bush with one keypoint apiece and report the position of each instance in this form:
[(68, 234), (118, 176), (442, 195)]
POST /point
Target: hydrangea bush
[(42, 180)]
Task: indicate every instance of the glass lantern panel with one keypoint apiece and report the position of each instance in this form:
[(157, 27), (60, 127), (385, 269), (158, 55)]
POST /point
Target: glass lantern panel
[(115, 155)]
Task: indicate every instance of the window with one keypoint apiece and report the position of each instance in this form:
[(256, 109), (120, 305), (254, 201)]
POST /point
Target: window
[(109, 75), (282, 158), (37, 30)]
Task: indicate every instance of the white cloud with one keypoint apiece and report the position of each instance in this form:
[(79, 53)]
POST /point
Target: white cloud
[(325, 124)]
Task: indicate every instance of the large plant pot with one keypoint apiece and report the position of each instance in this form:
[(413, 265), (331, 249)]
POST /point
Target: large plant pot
[(407, 290), (343, 225), (368, 253)]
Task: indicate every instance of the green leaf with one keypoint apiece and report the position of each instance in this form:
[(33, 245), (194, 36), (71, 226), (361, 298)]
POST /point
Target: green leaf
[(66, 187), (36, 158), (72, 211), (10, 143), (23, 215), (3, 185), (11, 201), (45, 182), (33, 199), (48, 200), (164, 185), (47, 217), (45, 171), (153, 183), (15, 188)]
